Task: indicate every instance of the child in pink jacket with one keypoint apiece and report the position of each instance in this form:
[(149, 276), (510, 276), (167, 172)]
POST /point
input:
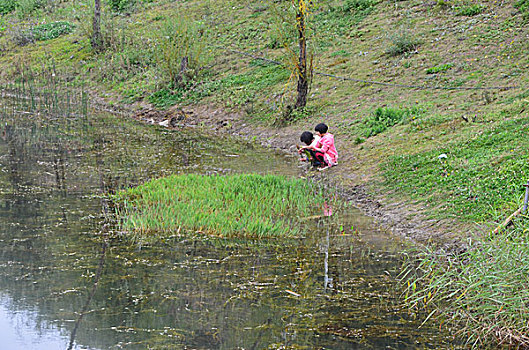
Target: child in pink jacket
[(325, 150)]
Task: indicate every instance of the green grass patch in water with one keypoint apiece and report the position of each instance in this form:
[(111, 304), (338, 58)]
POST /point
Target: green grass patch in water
[(249, 206)]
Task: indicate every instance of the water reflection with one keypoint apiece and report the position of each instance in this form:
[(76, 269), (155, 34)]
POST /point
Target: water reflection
[(331, 289)]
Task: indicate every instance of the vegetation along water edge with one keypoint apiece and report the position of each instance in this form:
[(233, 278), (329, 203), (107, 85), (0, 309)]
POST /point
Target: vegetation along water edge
[(241, 206)]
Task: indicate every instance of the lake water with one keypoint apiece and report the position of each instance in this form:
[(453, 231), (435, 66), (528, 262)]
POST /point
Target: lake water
[(332, 289)]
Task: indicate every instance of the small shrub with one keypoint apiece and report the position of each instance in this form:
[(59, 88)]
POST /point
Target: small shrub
[(470, 10), (182, 50), (523, 6), (52, 30), (121, 5), (384, 118), (7, 6), (439, 69), (113, 31), (402, 42)]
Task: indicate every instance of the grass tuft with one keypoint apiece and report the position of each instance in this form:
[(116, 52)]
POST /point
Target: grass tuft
[(482, 291), (383, 118), (247, 206), (52, 30), (439, 69), (470, 10), (402, 42)]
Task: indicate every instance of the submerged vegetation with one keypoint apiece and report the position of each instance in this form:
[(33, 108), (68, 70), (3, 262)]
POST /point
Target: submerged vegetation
[(249, 206)]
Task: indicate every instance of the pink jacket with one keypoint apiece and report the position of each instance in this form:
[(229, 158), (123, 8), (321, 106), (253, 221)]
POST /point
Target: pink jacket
[(326, 144)]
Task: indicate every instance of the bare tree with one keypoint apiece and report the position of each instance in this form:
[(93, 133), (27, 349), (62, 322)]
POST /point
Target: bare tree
[(97, 40), (302, 70), (299, 56)]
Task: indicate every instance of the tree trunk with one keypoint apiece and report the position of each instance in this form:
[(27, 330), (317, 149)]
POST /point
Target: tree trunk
[(183, 67), (97, 40), (303, 83)]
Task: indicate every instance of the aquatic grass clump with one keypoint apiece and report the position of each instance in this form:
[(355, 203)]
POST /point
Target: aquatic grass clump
[(483, 291), (249, 206)]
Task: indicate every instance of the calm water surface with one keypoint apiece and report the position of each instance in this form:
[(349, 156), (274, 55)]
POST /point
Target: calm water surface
[(332, 289)]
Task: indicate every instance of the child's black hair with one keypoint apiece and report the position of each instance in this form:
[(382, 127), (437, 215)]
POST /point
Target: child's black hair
[(321, 128), (306, 137)]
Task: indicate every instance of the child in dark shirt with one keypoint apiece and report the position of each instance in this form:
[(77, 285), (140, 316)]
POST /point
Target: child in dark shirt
[(324, 150), (307, 154)]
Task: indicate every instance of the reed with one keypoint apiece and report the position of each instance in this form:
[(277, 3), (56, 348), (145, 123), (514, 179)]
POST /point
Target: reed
[(248, 206), (483, 291), (45, 93)]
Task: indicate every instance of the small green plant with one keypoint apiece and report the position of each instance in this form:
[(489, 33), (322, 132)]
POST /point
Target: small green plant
[(401, 43), (439, 69), (356, 6), (52, 30), (7, 6), (341, 53), (384, 118), (166, 97), (470, 10), (443, 4), (523, 6), (251, 206), (120, 6), (359, 140)]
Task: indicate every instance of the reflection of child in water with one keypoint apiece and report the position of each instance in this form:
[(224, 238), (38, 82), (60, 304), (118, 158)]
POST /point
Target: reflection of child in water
[(308, 155)]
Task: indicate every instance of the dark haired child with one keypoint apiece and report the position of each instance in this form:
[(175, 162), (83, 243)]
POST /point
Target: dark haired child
[(309, 155), (325, 148)]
